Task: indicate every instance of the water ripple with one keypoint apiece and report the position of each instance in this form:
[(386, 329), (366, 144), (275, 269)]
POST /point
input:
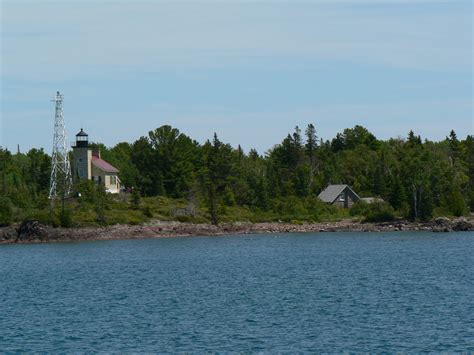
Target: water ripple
[(322, 293)]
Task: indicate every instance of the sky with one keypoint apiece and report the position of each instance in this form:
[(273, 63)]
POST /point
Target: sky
[(248, 70)]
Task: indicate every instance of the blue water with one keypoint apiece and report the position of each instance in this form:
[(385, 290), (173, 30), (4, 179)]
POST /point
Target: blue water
[(308, 292)]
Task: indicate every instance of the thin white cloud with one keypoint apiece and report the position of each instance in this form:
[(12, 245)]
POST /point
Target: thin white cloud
[(66, 40)]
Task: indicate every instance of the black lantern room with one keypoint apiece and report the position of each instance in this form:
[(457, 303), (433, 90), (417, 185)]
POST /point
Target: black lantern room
[(82, 139)]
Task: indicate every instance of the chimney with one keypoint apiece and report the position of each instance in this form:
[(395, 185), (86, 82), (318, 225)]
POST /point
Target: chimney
[(96, 153)]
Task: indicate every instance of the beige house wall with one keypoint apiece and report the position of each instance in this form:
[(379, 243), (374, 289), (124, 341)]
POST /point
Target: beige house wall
[(112, 183), (97, 174), (106, 179)]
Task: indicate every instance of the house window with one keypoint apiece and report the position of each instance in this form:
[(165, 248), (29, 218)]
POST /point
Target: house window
[(80, 160), (113, 180), (342, 197)]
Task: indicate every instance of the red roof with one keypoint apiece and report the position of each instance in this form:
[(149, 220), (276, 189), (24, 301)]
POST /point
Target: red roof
[(103, 165)]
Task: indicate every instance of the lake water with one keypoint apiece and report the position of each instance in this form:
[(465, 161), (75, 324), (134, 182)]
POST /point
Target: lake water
[(293, 292)]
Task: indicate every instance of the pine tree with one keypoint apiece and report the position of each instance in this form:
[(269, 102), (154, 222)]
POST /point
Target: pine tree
[(253, 155), (425, 206), (135, 199), (397, 193), (302, 180), (311, 146), (215, 175), (454, 147), (297, 139), (413, 139), (338, 143), (6, 211)]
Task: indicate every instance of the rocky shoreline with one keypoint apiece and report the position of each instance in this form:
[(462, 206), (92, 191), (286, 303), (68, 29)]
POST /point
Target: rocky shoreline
[(33, 231)]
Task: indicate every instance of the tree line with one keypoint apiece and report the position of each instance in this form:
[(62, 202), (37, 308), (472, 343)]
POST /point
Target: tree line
[(417, 178)]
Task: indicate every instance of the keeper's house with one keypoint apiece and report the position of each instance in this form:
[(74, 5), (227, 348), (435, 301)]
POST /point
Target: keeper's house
[(339, 195), (87, 164)]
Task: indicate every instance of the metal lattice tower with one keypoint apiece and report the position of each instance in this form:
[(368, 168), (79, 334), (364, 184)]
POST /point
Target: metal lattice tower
[(61, 181)]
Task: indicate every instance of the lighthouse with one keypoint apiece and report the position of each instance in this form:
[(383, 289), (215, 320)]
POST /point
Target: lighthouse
[(82, 157), (88, 165)]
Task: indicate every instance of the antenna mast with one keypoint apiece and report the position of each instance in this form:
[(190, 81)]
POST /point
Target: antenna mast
[(61, 181)]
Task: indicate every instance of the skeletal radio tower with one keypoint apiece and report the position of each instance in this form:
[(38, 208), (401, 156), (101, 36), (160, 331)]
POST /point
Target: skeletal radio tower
[(61, 181)]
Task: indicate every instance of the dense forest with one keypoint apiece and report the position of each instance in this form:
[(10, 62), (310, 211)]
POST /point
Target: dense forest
[(175, 177)]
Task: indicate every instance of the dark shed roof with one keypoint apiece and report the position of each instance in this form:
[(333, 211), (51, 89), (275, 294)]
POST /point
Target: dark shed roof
[(332, 192)]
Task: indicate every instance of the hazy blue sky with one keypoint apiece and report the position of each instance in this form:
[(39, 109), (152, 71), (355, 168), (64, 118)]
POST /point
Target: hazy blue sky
[(249, 70)]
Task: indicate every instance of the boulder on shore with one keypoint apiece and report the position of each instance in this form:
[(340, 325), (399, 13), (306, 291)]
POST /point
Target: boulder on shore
[(8, 233), (462, 225), (442, 221), (441, 224), (31, 230)]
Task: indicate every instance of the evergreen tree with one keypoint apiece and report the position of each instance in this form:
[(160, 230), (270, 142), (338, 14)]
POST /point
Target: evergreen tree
[(455, 201), (215, 174), (135, 199), (149, 179), (39, 170), (121, 157), (425, 205), (101, 203), (174, 155), (397, 193), (6, 167), (413, 140), (311, 149), (6, 211), (338, 143), (297, 139), (253, 155), (302, 180), (468, 161)]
